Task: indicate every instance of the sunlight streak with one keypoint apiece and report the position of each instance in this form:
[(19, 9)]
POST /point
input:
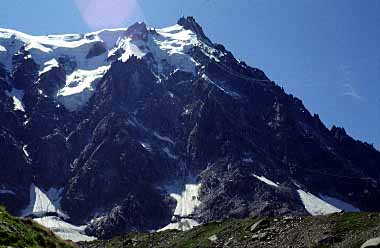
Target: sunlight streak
[(99, 14)]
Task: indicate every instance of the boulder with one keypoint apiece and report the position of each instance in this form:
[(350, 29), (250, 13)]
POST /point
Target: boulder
[(261, 224), (371, 243), (213, 238)]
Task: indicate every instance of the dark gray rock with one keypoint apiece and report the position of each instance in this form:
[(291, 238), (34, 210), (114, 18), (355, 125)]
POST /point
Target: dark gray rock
[(137, 31), (97, 49)]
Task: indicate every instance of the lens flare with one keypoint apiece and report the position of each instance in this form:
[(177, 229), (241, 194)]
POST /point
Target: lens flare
[(99, 14)]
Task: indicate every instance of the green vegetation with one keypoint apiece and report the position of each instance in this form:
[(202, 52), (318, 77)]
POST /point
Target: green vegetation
[(356, 228), (23, 233), (356, 222), (336, 230)]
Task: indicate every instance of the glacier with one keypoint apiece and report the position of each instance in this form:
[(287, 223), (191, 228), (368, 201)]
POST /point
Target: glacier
[(169, 47)]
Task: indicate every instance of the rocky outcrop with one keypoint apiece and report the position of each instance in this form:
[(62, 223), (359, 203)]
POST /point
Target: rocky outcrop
[(96, 50), (337, 230)]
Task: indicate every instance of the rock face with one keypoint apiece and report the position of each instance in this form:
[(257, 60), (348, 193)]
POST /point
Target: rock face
[(116, 117)]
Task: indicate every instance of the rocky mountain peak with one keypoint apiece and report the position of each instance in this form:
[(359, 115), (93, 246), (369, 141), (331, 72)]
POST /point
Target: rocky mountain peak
[(191, 24), (162, 130), (138, 31)]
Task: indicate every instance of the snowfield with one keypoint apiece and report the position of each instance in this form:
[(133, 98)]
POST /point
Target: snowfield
[(187, 200), (48, 202), (43, 202), (80, 86), (168, 46), (64, 230), (326, 205), (186, 196)]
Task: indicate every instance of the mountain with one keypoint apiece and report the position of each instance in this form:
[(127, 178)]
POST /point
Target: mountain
[(142, 129)]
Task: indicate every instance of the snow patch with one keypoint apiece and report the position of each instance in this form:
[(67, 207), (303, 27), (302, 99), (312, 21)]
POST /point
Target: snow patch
[(17, 96), (266, 180), (25, 151), (130, 48), (48, 202), (316, 206), (130, 122), (183, 225), (146, 146), (168, 152), (296, 184), (64, 230), (187, 200), (48, 65), (172, 45), (228, 92), (80, 80), (2, 49), (186, 196), (247, 160), (43, 202), (164, 138), (79, 87)]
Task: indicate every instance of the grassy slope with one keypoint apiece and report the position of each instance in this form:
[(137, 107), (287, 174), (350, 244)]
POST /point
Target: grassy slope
[(336, 230), (16, 232)]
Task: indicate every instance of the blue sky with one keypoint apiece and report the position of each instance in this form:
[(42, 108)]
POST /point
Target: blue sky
[(326, 52)]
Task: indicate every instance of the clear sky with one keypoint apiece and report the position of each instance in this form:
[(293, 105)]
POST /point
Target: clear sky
[(326, 52)]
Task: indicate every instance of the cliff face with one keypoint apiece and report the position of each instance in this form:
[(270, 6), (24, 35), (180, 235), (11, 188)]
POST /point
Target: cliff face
[(142, 127)]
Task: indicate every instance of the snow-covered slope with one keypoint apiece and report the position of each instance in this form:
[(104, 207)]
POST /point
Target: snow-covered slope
[(63, 229), (187, 200), (17, 96), (90, 55), (43, 205), (43, 202), (324, 205)]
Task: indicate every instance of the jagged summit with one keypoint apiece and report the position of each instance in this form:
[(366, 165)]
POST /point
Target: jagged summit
[(191, 24), (152, 129), (86, 58), (137, 31)]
